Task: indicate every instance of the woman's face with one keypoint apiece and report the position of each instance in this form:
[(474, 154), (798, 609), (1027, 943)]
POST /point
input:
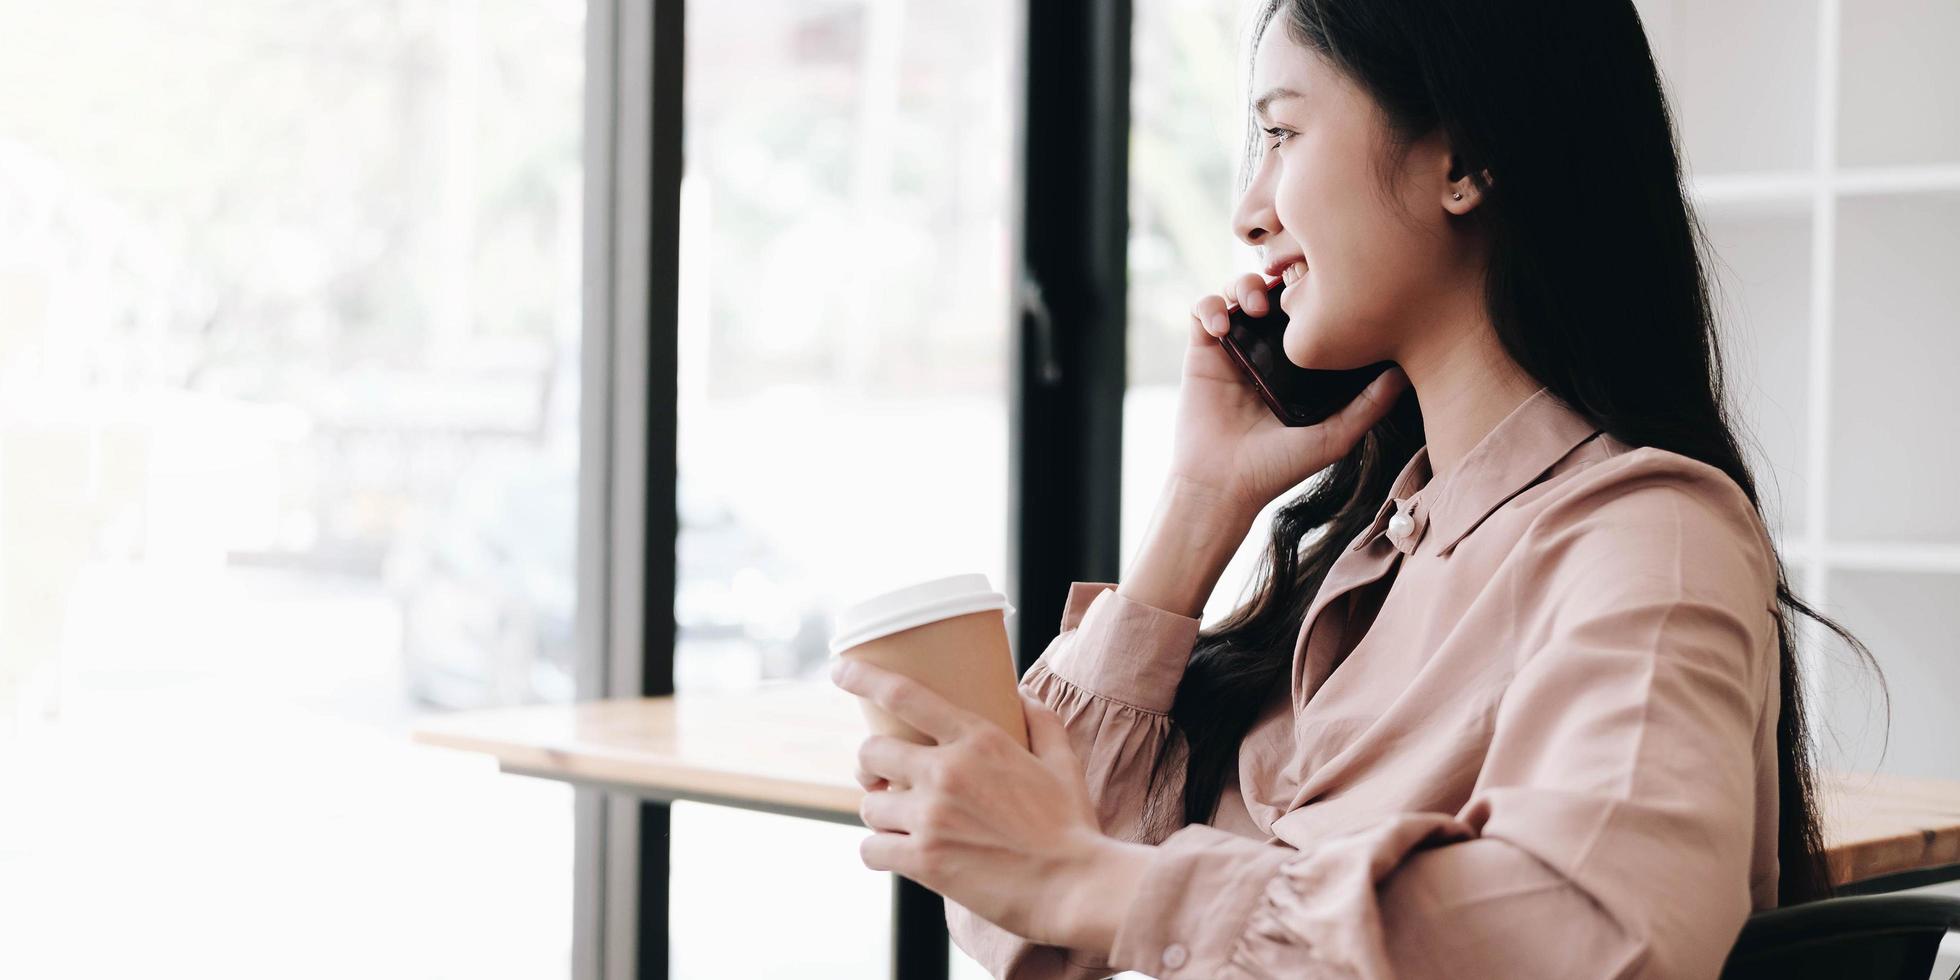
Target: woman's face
[(1379, 272)]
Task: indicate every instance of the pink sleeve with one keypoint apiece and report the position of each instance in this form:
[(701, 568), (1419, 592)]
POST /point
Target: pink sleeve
[(1110, 675), (1610, 829)]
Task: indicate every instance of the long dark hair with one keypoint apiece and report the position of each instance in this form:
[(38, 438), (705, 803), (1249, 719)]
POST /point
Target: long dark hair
[(1595, 288)]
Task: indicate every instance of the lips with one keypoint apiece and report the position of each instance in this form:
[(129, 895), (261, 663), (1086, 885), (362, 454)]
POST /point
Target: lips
[(1279, 264)]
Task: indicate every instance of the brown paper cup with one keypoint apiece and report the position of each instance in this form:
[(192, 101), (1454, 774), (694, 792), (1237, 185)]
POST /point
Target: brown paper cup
[(948, 634)]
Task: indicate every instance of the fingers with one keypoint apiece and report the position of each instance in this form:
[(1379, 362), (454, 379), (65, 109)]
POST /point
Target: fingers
[(1047, 736), (906, 699), (884, 852), (1367, 408), (1247, 291), (890, 811), (1210, 313), (882, 757)]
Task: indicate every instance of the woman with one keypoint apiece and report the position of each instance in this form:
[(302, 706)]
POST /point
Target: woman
[(1526, 705)]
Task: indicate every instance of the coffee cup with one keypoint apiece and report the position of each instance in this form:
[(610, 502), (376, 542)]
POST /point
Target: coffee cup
[(949, 634)]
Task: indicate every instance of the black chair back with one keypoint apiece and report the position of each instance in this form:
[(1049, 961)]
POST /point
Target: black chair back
[(1871, 937)]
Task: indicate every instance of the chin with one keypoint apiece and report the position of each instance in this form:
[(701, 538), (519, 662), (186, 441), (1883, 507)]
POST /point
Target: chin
[(1308, 346)]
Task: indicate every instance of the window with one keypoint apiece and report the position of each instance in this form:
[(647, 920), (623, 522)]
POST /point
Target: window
[(1187, 115), (843, 413), (289, 335)]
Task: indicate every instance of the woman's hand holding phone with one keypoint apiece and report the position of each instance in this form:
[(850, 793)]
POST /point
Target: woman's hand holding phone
[(1227, 444)]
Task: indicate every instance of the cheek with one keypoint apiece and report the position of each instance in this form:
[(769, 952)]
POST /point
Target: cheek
[(1340, 316), (1300, 203), (1356, 255), (1326, 217)]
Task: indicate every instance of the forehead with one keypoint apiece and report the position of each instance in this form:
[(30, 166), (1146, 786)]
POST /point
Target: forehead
[(1281, 62)]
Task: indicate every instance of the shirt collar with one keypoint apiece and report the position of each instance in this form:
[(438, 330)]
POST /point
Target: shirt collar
[(1536, 435)]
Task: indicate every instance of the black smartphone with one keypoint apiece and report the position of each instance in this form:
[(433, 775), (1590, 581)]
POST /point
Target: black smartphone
[(1297, 395)]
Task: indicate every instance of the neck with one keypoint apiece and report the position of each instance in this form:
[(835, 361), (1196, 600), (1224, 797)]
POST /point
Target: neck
[(1465, 383)]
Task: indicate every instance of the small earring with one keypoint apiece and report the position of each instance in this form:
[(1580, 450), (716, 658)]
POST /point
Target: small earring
[(1458, 196)]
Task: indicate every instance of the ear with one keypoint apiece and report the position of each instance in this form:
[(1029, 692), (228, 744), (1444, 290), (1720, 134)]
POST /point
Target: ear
[(1462, 195)]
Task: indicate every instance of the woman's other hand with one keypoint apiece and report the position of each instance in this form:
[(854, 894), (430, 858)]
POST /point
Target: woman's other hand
[(1008, 833), (1226, 443)]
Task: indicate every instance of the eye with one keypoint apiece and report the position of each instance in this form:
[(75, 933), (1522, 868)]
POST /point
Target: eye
[(1278, 134)]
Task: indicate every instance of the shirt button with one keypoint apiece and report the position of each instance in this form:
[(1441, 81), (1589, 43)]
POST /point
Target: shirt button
[(1401, 524), (1174, 955)]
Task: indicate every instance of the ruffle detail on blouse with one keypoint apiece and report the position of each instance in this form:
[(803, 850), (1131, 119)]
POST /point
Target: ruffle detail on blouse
[(1318, 916), (1112, 738)]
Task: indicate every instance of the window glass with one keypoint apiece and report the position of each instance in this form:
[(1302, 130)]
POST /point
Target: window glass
[(1187, 118), (289, 331), (845, 217)]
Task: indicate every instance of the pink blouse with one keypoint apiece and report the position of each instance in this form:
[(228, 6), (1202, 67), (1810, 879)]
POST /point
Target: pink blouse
[(1552, 753)]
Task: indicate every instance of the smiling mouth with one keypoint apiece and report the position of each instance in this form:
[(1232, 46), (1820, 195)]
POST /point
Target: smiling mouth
[(1294, 272)]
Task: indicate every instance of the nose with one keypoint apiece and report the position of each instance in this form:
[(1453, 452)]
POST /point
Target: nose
[(1254, 219)]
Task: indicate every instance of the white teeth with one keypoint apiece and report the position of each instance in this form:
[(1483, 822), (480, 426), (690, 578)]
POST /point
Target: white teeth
[(1294, 272)]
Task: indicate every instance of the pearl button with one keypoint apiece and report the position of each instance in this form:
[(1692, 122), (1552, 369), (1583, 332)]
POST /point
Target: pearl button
[(1401, 524), (1174, 955)]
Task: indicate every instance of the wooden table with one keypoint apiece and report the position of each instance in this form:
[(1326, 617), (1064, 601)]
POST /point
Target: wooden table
[(791, 749), (788, 749), (1884, 832)]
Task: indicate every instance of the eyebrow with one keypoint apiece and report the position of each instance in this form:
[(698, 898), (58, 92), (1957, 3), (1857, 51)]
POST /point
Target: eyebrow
[(1273, 95)]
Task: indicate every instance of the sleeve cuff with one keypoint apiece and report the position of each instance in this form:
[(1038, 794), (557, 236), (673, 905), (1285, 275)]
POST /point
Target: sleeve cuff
[(1005, 954), (1080, 594), (1194, 901), (1124, 650)]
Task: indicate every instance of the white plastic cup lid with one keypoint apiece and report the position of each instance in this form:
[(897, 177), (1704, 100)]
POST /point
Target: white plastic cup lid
[(916, 605)]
